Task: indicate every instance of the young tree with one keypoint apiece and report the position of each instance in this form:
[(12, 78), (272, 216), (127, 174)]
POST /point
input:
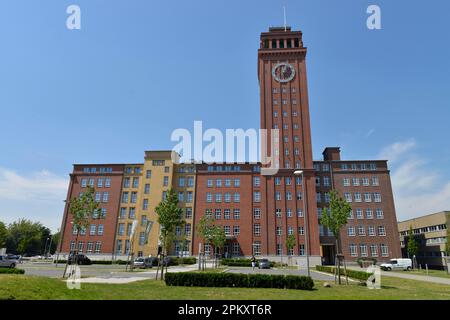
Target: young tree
[(210, 233), (25, 237), (83, 209), (334, 219), (169, 217), (218, 240), (290, 244), (413, 246)]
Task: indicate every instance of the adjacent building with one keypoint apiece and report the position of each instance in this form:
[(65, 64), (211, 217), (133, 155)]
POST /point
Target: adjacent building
[(431, 233), (257, 209)]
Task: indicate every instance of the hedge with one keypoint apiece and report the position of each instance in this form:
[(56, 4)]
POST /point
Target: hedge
[(12, 271), (354, 274), (241, 262), (210, 279)]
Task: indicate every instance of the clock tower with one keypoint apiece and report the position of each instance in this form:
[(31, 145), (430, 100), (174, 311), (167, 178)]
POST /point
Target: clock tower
[(290, 206)]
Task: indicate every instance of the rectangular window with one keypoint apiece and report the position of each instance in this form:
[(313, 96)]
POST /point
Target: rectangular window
[(301, 230), (367, 197), (105, 196), (180, 196), (346, 182), (100, 229), (377, 197), (187, 230), (300, 213), (351, 231), (218, 214), (373, 250), (100, 183), (237, 182), (237, 214), (348, 197), (256, 213), (98, 247), (92, 229), (380, 214), (208, 197), (257, 229), (375, 181), (189, 197), (83, 183), (125, 197), (363, 250), (236, 230), (355, 181), (257, 248), (353, 250), (257, 196), (135, 182), (361, 231), (133, 197), (227, 197), (181, 181), (237, 197), (132, 213), (126, 182), (381, 231), (256, 181), (227, 214), (145, 204), (147, 188), (123, 213), (218, 197), (148, 174), (208, 213), (165, 181), (384, 250), (371, 231), (358, 197), (121, 230)]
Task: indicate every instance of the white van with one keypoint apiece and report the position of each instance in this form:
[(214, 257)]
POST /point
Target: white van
[(397, 264)]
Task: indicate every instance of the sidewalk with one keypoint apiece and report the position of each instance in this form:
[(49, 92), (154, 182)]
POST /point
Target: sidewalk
[(128, 277)]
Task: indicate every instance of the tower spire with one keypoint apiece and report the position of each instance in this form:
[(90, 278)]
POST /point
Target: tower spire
[(284, 13)]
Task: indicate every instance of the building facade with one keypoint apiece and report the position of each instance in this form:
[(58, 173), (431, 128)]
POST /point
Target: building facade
[(431, 233), (258, 209)]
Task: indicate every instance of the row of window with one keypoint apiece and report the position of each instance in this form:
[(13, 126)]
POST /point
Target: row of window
[(299, 195), (94, 170), (226, 197), (288, 181), (351, 231), (226, 182), (357, 197), (359, 213), (286, 126), (187, 230), (188, 198), (189, 169), (226, 213), (363, 250), (284, 101), (363, 181), (186, 181), (289, 214), (135, 170), (425, 229), (284, 90), (101, 182), (91, 247), (93, 230), (325, 167), (226, 168), (285, 114)]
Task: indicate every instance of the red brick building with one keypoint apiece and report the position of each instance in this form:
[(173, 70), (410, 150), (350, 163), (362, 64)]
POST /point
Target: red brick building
[(99, 238), (257, 210)]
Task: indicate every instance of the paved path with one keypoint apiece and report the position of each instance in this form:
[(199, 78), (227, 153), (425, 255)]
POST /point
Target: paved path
[(410, 276)]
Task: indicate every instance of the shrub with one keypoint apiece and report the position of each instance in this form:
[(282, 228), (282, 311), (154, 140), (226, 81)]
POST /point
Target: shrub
[(359, 275), (11, 271), (238, 280)]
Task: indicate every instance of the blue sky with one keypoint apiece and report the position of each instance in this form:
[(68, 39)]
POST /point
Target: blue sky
[(139, 69)]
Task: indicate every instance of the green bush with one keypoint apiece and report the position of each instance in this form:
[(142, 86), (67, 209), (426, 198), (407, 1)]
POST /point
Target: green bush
[(237, 280), (359, 275), (12, 271)]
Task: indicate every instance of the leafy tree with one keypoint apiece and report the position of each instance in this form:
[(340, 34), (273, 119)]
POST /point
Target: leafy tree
[(55, 240), (169, 217), (290, 242), (3, 234), (413, 245), (210, 233), (334, 219), (26, 237), (83, 209)]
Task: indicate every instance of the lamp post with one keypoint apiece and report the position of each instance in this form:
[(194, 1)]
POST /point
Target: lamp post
[(301, 173)]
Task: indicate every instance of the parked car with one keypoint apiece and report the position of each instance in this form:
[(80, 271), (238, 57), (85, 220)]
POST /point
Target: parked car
[(80, 258), (397, 264), (7, 263), (15, 257), (144, 262), (264, 264)]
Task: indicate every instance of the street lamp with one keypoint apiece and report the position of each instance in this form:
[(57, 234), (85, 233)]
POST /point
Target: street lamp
[(301, 173)]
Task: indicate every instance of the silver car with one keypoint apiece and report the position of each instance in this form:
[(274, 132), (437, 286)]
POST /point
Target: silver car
[(7, 263)]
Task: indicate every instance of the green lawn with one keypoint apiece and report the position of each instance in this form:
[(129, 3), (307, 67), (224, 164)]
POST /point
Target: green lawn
[(33, 287), (431, 273)]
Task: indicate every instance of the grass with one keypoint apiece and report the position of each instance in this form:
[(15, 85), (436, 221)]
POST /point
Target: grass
[(431, 273), (33, 287)]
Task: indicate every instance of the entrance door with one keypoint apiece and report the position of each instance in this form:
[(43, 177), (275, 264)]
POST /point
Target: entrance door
[(328, 255)]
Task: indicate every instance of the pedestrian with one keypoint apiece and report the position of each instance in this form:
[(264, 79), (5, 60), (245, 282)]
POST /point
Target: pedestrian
[(253, 262)]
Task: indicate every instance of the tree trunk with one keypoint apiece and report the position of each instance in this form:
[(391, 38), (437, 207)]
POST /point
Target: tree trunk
[(339, 259)]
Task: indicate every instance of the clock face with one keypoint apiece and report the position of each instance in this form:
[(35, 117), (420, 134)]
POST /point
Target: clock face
[(283, 72)]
